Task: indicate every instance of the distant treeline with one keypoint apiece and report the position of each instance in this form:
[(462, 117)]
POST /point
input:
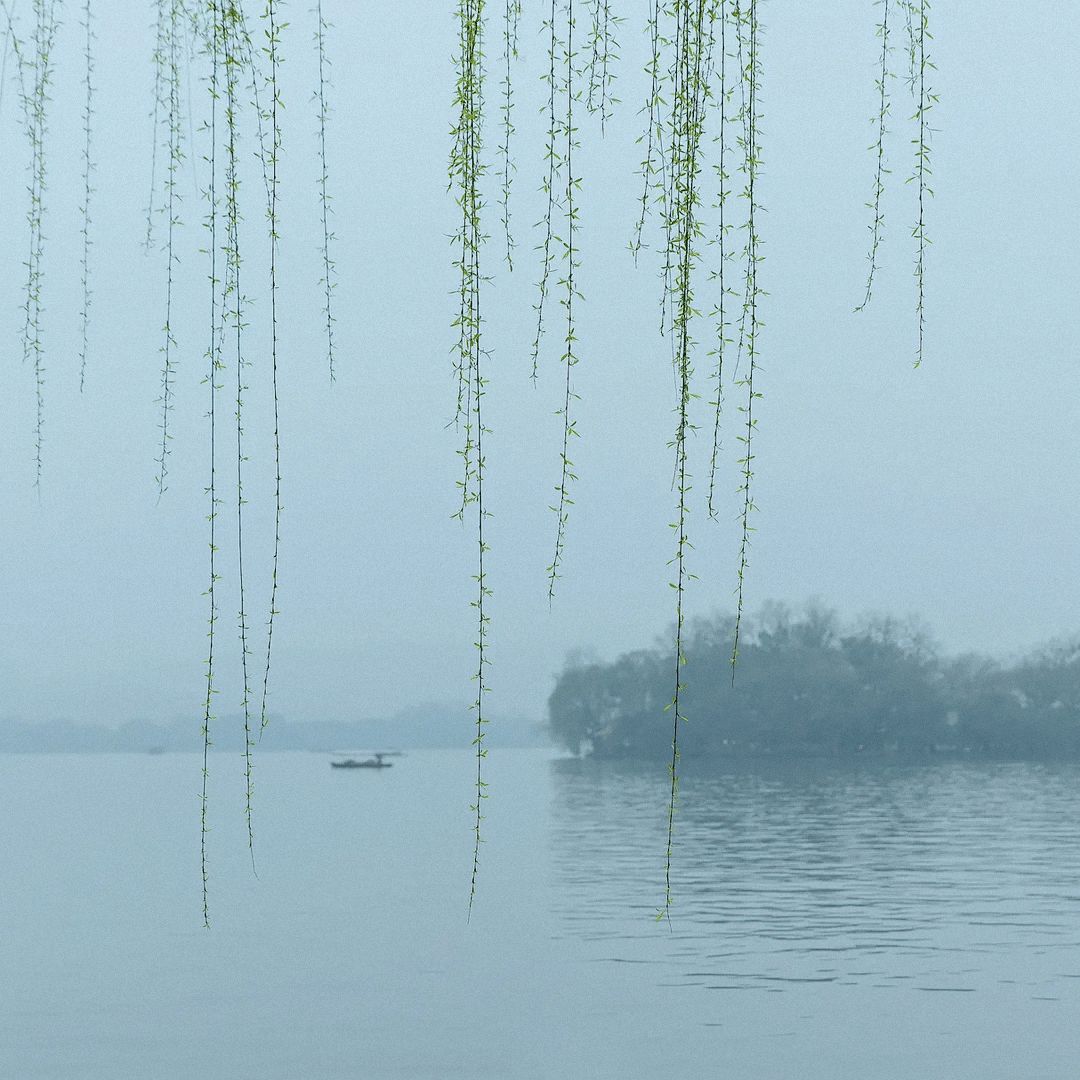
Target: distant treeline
[(808, 686), (146, 736), (427, 726)]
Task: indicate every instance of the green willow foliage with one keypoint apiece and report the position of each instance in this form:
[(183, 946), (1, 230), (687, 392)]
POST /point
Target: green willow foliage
[(700, 173), (570, 293), (213, 355), (511, 23), (919, 39), (919, 68), (556, 167), (721, 241), (272, 50), (233, 315), (694, 46), (603, 48), (167, 76), (693, 40), (466, 169), (34, 69), (747, 30), (878, 147)]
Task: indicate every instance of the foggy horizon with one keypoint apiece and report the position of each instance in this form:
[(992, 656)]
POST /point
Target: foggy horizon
[(948, 491), (859, 859)]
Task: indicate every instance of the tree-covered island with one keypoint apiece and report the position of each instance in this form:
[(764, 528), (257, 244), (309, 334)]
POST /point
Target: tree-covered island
[(806, 685)]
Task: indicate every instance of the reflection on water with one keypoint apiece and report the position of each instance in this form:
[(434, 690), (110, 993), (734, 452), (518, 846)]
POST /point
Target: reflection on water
[(938, 878)]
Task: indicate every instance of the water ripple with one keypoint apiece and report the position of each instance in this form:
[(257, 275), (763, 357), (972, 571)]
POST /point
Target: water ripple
[(803, 874)]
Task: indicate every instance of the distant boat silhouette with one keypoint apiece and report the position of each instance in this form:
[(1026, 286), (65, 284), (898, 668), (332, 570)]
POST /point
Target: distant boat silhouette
[(375, 762)]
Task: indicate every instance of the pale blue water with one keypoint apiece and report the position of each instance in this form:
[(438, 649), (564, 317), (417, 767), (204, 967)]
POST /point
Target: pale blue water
[(904, 923)]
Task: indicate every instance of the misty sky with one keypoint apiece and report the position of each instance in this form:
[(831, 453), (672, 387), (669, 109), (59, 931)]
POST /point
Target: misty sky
[(950, 491)]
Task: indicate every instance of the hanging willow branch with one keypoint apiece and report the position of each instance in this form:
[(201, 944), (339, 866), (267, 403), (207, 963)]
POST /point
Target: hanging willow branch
[(603, 51), (571, 293), (329, 278), (214, 364), (556, 164), (690, 91), (273, 54), (919, 38), (160, 61), (35, 80), (511, 20), (466, 171), (748, 29), (652, 137), (878, 148), (170, 46), (232, 311), (724, 255)]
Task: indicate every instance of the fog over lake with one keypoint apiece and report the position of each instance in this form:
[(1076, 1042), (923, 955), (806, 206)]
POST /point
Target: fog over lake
[(831, 923), (950, 491), (873, 876)]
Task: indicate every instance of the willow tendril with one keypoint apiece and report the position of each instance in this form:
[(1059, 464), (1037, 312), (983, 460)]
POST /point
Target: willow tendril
[(724, 255), (329, 278), (160, 102), (483, 593), (213, 366), (458, 170), (174, 123), (651, 135), (664, 190), (459, 177), (690, 77), (555, 165), (88, 169), (919, 36), (466, 170), (910, 9), (272, 50), (878, 224), (511, 20), (231, 37), (35, 115), (570, 294), (603, 48), (752, 324), (246, 57), (738, 20)]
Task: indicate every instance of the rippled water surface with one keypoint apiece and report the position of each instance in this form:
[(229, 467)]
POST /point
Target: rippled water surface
[(830, 922)]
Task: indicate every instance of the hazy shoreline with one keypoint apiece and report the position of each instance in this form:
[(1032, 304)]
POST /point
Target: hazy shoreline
[(415, 729)]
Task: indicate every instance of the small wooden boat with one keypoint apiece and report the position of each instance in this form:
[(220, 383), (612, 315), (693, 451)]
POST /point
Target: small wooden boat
[(375, 762)]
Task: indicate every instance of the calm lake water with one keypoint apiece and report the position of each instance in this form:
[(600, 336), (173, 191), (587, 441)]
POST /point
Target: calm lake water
[(863, 922)]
